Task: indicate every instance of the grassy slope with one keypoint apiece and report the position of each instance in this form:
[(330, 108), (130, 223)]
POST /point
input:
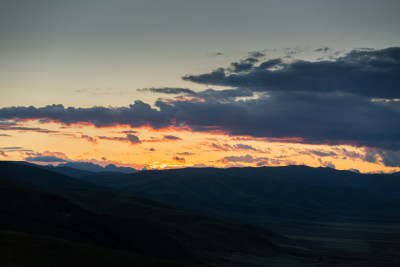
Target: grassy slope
[(23, 249), (161, 231), (31, 211), (322, 210)]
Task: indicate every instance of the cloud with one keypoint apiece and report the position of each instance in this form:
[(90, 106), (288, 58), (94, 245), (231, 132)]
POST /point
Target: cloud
[(211, 95), (223, 147), (262, 163), (327, 164), (243, 159), (46, 159), (133, 139), (235, 147), (243, 65), (372, 73), (3, 154), (354, 170), (370, 156), (256, 54), (324, 49), (349, 100), (179, 159), (172, 137), (136, 115), (388, 157), (185, 153), (244, 147), (309, 118), (329, 118), (323, 153), (5, 135), (130, 138), (89, 139), (168, 90), (15, 148), (11, 148), (25, 129), (128, 132)]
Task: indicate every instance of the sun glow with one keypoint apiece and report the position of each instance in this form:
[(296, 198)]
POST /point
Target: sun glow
[(172, 148)]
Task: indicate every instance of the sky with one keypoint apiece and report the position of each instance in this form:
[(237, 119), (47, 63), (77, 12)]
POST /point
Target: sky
[(169, 84)]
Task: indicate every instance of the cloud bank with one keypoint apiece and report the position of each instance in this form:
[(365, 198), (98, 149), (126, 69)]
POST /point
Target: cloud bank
[(352, 100)]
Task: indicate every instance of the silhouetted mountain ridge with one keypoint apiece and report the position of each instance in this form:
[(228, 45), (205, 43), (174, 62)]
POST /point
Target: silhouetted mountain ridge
[(89, 166), (115, 220), (251, 194)]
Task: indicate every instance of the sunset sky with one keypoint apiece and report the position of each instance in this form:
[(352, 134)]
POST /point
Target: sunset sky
[(166, 84)]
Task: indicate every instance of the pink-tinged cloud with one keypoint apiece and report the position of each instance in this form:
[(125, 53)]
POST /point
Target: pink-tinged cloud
[(237, 147), (243, 159)]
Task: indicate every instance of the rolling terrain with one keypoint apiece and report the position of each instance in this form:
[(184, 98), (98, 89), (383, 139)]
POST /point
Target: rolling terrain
[(204, 216), (109, 219), (324, 211)]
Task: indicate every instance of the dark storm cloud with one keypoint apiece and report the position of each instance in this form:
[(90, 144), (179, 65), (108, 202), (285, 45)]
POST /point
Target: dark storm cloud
[(224, 95), (240, 66), (212, 95), (46, 159), (270, 63), (324, 102), (390, 158), (243, 65), (168, 90), (372, 73), (315, 118), (387, 157), (136, 115)]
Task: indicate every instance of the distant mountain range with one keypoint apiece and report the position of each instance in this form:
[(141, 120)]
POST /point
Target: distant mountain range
[(89, 166), (200, 216), (256, 195)]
